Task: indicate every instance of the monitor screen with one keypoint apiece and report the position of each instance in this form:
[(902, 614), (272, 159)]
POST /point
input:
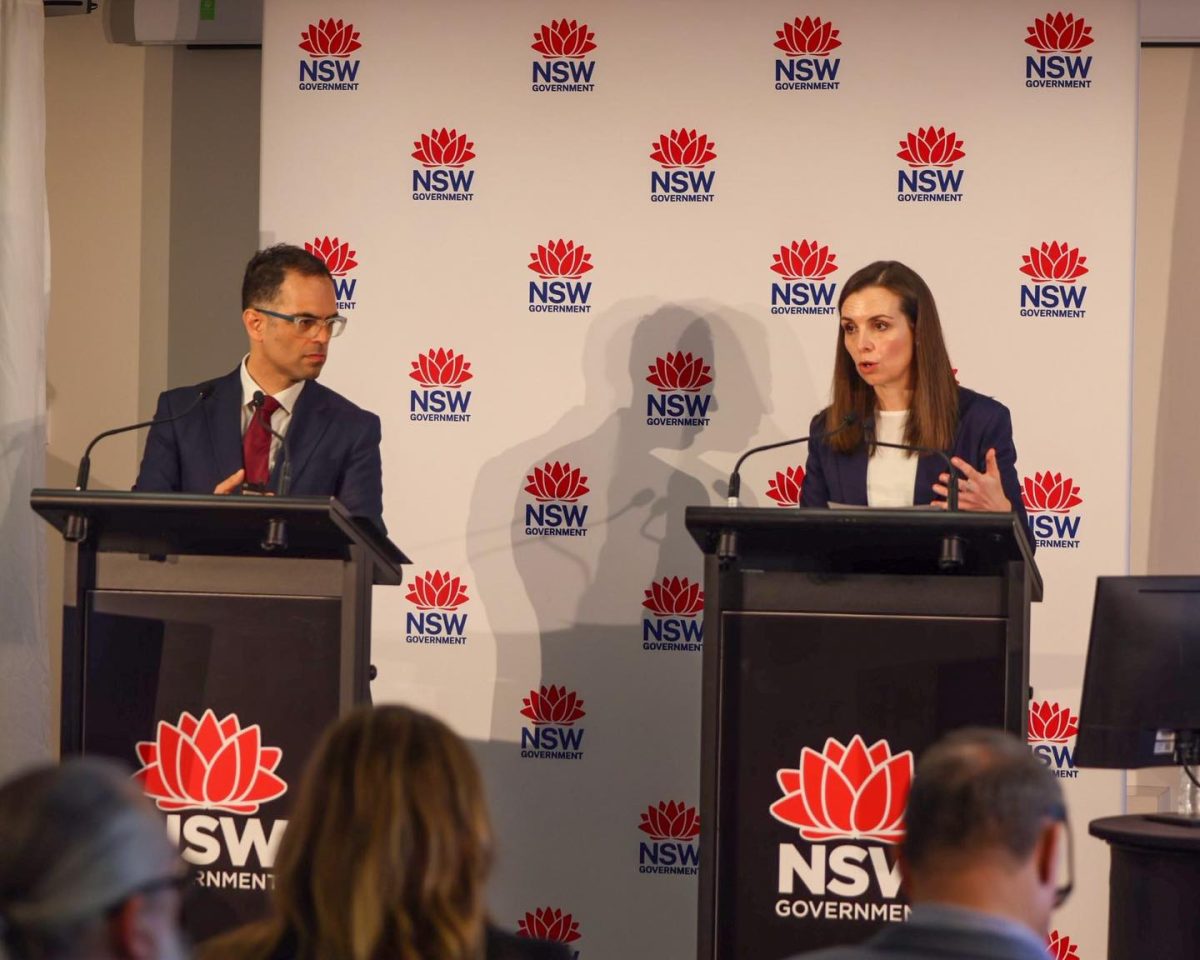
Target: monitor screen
[(1143, 670)]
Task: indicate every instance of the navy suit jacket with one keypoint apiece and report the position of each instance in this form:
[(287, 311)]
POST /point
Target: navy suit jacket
[(910, 941), (332, 444), (983, 423)]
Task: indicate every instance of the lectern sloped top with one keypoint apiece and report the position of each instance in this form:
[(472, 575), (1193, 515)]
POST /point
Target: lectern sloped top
[(204, 524), (865, 540)]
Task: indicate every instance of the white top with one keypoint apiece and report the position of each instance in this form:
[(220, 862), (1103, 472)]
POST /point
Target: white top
[(891, 474), (280, 419)]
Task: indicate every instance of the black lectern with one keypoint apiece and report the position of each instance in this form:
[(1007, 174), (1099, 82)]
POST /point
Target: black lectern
[(837, 648), (211, 664)]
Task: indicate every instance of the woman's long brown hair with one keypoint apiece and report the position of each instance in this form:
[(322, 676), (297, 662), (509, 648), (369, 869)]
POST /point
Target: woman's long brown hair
[(933, 417), (386, 853)]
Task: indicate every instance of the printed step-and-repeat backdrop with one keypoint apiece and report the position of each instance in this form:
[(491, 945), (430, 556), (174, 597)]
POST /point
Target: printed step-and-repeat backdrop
[(591, 253)]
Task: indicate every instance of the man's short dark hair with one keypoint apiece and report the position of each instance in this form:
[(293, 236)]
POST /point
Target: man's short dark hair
[(978, 790), (268, 268)]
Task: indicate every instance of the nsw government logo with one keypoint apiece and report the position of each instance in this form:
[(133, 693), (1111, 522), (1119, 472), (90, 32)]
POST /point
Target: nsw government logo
[(677, 400), (442, 155), (563, 45), (808, 66), (437, 595), (1058, 38), (1060, 947), (930, 153), (672, 828), (671, 615), (556, 511), (329, 44), (786, 486), (554, 711), (339, 259), (1051, 727), (1053, 268), (550, 923), (1050, 500), (441, 374), (804, 265), (222, 767), (560, 263), (847, 802), (683, 154)]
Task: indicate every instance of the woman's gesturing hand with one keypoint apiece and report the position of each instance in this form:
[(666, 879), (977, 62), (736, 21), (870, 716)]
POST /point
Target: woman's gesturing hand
[(976, 491)]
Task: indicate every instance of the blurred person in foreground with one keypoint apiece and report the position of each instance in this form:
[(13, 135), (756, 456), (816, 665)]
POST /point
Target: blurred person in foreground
[(983, 829), (86, 869), (386, 854), (892, 382)]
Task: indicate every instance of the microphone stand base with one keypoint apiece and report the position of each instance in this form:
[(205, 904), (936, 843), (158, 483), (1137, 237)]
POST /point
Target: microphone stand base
[(276, 538), (75, 530), (951, 557)]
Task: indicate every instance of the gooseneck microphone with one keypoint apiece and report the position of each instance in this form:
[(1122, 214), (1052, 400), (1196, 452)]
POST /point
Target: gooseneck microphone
[(203, 392), (276, 535), (735, 478), (950, 556)]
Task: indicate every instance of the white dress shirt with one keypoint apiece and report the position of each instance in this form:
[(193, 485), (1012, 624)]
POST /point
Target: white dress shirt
[(280, 419), (891, 474)]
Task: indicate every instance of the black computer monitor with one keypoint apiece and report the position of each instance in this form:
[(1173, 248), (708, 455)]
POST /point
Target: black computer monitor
[(1143, 672)]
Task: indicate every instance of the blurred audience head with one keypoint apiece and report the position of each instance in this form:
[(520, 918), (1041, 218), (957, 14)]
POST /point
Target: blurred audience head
[(985, 828), (387, 850), (86, 869)]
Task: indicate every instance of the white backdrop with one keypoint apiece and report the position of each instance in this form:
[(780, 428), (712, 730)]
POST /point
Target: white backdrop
[(433, 253)]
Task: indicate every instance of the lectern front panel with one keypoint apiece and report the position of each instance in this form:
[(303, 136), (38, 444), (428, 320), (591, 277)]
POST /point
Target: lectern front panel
[(823, 715), (217, 701)]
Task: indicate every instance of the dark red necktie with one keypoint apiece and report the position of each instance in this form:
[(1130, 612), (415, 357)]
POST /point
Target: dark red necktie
[(256, 444)]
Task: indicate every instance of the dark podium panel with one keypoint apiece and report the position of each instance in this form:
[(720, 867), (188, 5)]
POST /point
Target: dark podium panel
[(1153, 888), (839, 649), (211, 664)]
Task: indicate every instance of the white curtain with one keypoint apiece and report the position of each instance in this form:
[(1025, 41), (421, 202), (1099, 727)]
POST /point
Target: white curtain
[(24, 304)]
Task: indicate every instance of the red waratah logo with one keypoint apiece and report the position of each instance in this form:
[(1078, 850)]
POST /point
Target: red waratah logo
[(1054, 261), (1060, 947), (683, 148), (1051, 723), (549, 923), (785, 487), (846, 792), (674, 597), (338, 256), (329, 38), (443, 148), (807, 38), (671, 821), (560, 258), (441, 368), (1050, 492), (556, 481), (556, 705), (931, 147), (209, 764), (437, 590), (563, 38), (1059, 33), (805, 260), (679, 371)]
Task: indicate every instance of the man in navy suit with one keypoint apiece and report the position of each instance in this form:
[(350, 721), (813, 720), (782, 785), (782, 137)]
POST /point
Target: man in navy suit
[(983, 831), (229, 443)]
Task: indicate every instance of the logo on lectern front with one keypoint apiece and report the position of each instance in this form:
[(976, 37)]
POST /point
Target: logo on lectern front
[(847, 802)]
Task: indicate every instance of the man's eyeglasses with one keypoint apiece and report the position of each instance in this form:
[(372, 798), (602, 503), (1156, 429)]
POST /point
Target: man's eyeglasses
[(307, 325)]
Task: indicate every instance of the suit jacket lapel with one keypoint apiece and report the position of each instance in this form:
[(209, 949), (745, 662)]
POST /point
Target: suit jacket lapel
[(852, 477), (224, 414), (928, 469), (309, 423)]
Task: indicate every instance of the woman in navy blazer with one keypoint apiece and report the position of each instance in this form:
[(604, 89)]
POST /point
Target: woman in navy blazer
[(891, 356)]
